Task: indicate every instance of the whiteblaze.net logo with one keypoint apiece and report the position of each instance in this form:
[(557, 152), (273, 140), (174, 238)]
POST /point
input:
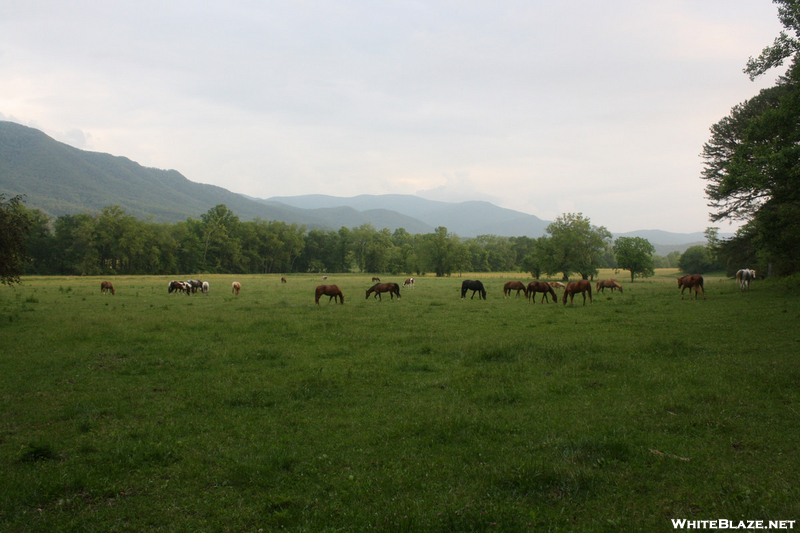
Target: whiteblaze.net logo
[(682, 523)]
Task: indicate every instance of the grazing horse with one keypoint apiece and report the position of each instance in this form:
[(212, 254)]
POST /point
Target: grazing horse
[(474, 286), (324, 278), (744, 276), (179, 286), (608, 284), (205, 287), (514, 286), (283, 280), (581, 286), (375, 278), (543, 287), (235, 288), (106, 286), (328, 290), (557, 285), (378, 288), (408, 281), (195, 284), (692, 281)]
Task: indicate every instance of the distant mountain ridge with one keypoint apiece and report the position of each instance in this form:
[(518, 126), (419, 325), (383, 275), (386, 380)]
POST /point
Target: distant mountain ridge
[(466, 219), (62, 180)]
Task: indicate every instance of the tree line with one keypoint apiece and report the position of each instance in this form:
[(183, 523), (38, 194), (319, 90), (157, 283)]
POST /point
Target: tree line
[(114, 242)]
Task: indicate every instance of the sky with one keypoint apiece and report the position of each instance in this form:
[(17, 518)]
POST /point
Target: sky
[(599, 108)]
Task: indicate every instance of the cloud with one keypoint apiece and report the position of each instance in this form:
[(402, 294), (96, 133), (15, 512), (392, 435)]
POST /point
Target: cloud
[(535, 106)]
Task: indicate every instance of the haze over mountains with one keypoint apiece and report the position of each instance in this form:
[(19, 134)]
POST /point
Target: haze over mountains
[(61, 180)]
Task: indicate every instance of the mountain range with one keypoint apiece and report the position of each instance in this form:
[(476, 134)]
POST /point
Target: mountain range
[(60, 180)]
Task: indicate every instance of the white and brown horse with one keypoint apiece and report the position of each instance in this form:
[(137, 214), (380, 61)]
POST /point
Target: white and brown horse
[(408, 282), (179, 286), (235, 288), (744, 277)]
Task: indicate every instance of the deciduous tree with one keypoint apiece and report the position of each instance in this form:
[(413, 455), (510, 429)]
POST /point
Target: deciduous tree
[(14, 226), (636, 255)]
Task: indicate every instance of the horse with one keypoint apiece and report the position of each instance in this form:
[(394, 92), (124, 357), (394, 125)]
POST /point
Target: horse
[(581, 286), (324, 278), (543, 287), (205, 287), (235, 288), (283, 280), (608, 284), (744, 276), (474, 286), (692, 281), (557, 285), (195, 284), (408, 281), (514, 286), (328, 290), (106, 286), (375, 278), (178, 286), (378, 288)]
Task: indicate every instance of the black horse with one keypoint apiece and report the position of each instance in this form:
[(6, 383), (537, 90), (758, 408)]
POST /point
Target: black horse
[(474, 286)]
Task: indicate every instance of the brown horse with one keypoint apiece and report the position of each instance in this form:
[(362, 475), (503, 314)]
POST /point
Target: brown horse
[(283, 280), (408, 281), (514, 286), (236, 287), (375, 278), (544, 288), (106, 286), (328, 290), (692, 281), (378, 288), (573, 287), (608, 284)]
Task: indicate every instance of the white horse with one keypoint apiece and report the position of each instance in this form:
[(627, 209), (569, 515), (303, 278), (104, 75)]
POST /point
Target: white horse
[(205, 287), (236, 287), (744, 276)]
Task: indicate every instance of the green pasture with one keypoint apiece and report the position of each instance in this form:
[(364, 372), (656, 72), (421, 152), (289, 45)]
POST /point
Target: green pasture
[(145, 411)]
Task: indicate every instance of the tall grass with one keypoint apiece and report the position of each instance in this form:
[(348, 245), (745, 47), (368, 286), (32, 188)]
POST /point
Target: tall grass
[(153, 412)]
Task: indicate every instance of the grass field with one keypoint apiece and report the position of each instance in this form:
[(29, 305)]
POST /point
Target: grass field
[(145, 411)]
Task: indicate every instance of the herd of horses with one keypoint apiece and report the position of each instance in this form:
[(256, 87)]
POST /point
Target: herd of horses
[(693, 282), (188, 287)]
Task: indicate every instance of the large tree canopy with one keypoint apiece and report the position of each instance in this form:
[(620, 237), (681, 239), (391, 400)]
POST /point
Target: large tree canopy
[(752, 160), (15, 224), (784, 47), (574, 245), (636, 255)]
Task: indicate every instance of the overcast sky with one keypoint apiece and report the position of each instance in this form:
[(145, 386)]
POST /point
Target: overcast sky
[(544, 107)]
